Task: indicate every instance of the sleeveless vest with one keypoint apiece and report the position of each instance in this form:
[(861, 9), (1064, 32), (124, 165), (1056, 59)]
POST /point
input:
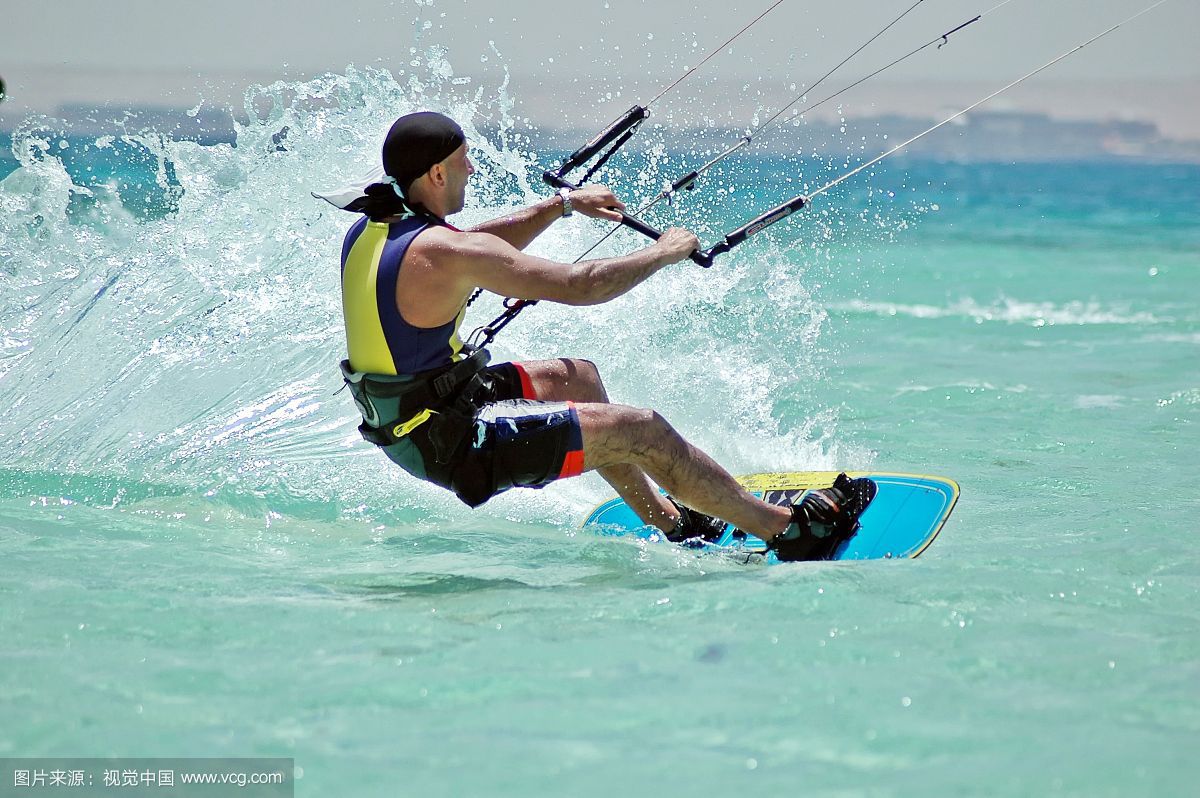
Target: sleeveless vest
[(379, 340)]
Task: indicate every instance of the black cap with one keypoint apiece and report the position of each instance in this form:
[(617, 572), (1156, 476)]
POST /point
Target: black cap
[(416, 142)]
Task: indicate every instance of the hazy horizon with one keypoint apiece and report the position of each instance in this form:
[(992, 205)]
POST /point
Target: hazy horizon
[(617, 52)]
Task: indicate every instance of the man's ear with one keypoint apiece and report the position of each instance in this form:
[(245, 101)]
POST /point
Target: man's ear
[(437, 175)]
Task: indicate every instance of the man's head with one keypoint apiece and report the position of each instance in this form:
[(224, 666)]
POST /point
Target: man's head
[(426, 153)]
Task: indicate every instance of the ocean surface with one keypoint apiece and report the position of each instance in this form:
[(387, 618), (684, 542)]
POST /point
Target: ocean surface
[(201, 558)]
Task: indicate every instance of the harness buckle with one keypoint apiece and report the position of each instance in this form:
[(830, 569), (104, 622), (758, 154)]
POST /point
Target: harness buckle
[(443, 385)]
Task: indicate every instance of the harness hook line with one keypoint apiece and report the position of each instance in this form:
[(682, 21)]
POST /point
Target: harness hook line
[(620, 131), (622, 128), (706, 58), (944, 39), (688, 180), (785, 209)]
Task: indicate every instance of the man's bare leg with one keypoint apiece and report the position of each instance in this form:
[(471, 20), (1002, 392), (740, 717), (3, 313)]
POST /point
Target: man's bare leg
[(615, 435), (579, 381)]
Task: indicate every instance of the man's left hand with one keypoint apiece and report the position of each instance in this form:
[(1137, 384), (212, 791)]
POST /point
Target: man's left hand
[(597, 202)]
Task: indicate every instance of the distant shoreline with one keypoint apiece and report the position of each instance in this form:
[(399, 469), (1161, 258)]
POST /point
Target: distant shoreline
[(1047, 120), (982, 136), (588, 102)]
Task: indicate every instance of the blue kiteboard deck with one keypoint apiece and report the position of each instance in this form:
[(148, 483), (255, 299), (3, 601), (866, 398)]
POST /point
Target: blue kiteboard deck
[(900, 522)]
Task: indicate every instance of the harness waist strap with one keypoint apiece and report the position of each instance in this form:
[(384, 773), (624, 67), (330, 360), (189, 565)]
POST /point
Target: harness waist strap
[(418, 396)]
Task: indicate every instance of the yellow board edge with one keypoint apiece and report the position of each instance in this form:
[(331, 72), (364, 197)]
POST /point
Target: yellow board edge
[(809, 480)]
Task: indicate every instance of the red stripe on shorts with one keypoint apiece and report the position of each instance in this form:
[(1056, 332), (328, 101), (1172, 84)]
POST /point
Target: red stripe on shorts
[(572, 464), (526, 383), (573, 460)]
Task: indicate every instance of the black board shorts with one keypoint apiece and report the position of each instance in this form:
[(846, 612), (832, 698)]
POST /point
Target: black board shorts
[(512, 440)]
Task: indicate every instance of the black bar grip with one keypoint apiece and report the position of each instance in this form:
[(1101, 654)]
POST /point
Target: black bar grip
[(757, 225), (760, 223), (633, 116), (688, 182), (632, 222)]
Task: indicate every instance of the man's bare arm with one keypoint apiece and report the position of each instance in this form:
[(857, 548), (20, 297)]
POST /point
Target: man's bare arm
[(489, 262), (519, 228)]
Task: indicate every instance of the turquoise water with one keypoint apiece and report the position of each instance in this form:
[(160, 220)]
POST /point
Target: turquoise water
[(201, 558)]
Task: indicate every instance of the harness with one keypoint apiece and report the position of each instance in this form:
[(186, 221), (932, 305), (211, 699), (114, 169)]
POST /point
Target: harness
[(393, 405)]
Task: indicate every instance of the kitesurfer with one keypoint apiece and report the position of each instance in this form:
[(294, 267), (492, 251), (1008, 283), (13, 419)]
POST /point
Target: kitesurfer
[(441, 413)]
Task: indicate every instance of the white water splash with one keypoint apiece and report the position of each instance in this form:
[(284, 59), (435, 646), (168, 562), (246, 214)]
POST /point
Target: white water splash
[(198, 344)]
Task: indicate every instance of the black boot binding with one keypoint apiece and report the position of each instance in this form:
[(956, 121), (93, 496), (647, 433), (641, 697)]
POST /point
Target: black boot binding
[(823, 519), (694, 526)]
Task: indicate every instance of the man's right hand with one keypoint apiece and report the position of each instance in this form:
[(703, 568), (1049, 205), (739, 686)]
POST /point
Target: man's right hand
[(676, 244)]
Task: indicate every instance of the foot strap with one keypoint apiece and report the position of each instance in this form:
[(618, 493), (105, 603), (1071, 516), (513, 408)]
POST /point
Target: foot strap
[(823, 520), (694, 526)]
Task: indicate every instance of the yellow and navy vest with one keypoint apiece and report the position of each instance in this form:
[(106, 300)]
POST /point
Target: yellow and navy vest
[(379, 340)]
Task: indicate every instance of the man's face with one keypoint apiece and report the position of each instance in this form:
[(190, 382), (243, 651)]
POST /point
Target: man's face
[(458, 169)]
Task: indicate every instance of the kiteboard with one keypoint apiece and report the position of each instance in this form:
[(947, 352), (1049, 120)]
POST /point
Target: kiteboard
[(907, 513)]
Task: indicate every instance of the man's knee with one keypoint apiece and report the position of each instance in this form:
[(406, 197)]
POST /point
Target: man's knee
[(642, 423), (614, 434), (585, 374), (622, 421), (579, 368)]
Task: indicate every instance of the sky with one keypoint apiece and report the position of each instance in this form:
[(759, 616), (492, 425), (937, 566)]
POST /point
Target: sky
[(142, 52)]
